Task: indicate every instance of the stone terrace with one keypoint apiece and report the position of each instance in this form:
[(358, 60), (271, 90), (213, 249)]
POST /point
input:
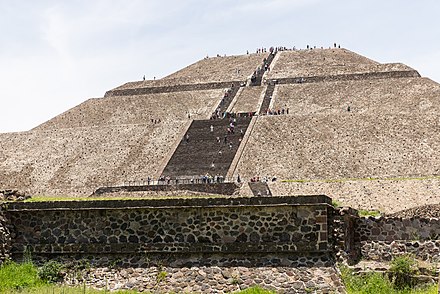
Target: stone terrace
[(207, 70), (326, 62), (79, 160), (402, 95), (347, 145), (249, 99), (162, 83), (220, 69), (386, 195), (138, 109)]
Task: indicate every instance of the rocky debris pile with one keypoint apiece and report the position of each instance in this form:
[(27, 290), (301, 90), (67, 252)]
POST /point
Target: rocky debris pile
[(13, 195), (425, 211), (214, 279)]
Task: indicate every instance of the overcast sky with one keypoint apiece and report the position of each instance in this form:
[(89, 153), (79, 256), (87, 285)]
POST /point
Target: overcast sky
[(56, 54)]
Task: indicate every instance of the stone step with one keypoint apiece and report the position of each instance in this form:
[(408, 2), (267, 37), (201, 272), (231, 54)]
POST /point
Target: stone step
[(200, 154)]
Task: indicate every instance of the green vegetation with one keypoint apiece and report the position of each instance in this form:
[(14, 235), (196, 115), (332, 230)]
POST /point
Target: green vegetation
[(161, 276), (15, 276), (402, 269), (336, 203), (255, 290), (51, 271), (55, 289), (398, 281), (367, 213), (26, 278)]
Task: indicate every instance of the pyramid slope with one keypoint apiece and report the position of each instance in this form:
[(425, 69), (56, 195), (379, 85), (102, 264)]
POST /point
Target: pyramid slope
[(138, 109), (228, 68), (391, 129), (78, 160), (348, 145), (379, 96), (327, 62)]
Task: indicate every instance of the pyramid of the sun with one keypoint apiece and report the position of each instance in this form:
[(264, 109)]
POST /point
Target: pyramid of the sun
[(346, 119)]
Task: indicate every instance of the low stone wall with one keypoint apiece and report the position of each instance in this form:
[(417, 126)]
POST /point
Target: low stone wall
[(392, 228), (296, 225), (385, 251), (215, 188), (214, 245), (383, 238), (190, 239)]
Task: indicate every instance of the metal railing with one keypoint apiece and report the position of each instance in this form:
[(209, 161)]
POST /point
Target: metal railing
[(181, 181)]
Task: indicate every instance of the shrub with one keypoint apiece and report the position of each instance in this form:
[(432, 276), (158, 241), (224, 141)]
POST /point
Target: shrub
[(51, 271), (402, 270), (161, 276), (374, 283)]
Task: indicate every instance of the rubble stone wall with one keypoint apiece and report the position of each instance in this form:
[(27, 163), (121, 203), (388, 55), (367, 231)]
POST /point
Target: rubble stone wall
[(391, 228), (385, 251), (383, 238), (5, 239), (195, 226)]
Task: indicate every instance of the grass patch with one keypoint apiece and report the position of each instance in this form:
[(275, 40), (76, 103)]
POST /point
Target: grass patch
[(367, 213), (59, 289), (377, 283), (27, 278), (14, 276), (336, 203)]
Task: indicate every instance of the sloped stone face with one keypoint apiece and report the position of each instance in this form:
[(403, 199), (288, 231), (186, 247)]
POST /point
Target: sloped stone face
[(342, 146)]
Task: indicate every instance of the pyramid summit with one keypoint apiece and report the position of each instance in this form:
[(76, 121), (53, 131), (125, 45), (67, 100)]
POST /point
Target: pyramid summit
[(316, 121)]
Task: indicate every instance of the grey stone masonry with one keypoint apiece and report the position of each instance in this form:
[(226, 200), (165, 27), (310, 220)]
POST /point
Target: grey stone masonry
[(5, 238), (223, 226), (393, 228), (383, 238)]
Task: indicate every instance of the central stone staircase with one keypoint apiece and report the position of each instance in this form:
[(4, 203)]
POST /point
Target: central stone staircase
[(203, 151), (259, 74)]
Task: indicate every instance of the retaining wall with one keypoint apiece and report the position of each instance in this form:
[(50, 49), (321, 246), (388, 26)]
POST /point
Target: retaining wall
[(350, 77), (190, 236), (243, 228), (215, 188), (173, 88), (383, 238)]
